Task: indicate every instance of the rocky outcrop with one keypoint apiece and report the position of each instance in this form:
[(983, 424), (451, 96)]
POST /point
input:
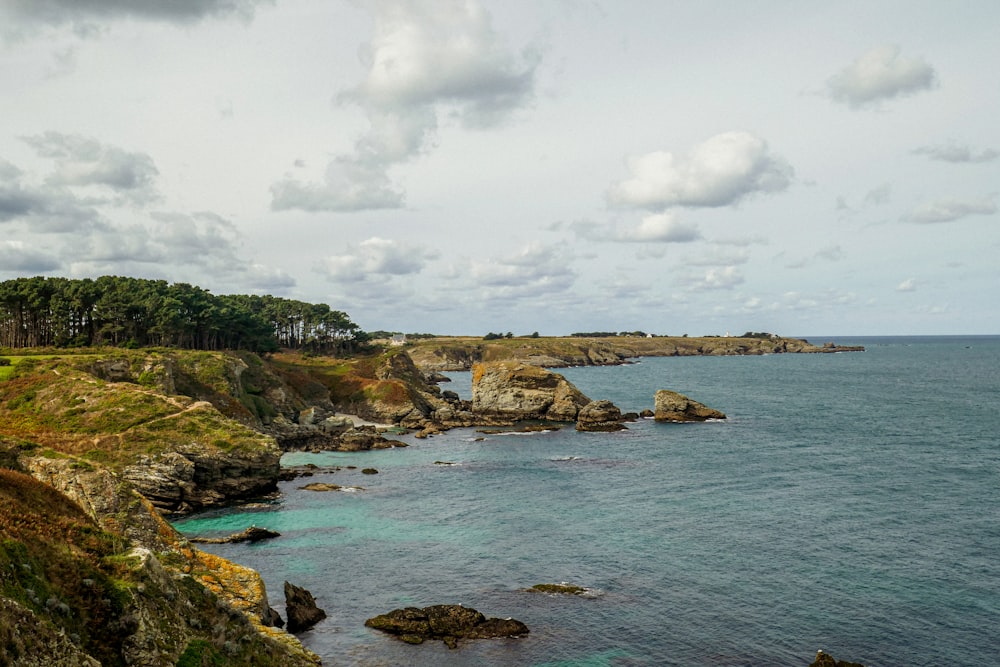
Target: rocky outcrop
[(603, 416), (301, 609), (191, 477), (88, 593), (447, 622), (251, 534), (507, 392), (827, 660), (558, 589), (674, 407)]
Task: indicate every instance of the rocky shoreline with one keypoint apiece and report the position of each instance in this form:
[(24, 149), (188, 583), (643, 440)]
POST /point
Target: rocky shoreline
[(132, 436)]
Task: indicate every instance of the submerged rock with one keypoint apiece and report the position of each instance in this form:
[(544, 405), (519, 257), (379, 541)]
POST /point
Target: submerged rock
[(827, 660), (301, 609), (558, 589), (251, 534), (674, 407), (447, 622)]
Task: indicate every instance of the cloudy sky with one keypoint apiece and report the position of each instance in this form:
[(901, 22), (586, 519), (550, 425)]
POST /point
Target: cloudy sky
[(465, 166)]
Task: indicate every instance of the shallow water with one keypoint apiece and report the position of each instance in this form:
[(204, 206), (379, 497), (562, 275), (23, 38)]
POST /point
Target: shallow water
[(851, 502)]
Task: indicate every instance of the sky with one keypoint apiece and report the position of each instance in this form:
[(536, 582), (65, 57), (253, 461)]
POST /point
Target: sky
[(559, 166)]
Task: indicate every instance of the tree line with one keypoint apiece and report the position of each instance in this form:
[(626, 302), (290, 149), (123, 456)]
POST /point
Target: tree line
[(136, 312)]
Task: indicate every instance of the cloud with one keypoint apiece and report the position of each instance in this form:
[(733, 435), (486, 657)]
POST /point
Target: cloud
[(47, 208), (721, 171), (81, 161), (376, 259), (716, 278), (947, 210), (59, 12), (424, 61), (908, 285), (16, 256), (880, 74), (957, 153), (879, 195), (661, 228), (534, 270), (720, 256), (831, 253), (349, 186), (447, 52), (267, 279)]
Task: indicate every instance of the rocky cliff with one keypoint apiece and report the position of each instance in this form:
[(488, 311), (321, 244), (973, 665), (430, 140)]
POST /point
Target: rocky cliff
[(181, 453), (115, 585)]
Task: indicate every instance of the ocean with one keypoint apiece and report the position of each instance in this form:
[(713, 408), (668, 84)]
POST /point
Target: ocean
[(850, 503)]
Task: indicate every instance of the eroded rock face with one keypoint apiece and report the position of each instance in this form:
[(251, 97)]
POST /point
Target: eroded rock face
[(192, 478), (674, 407), (600, 415), (447, 622), (511, 391)]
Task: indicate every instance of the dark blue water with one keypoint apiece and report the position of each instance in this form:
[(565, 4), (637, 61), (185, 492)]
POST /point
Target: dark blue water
[(851, 502)]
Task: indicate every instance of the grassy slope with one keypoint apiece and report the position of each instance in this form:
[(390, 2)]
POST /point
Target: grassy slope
[(55, 403)]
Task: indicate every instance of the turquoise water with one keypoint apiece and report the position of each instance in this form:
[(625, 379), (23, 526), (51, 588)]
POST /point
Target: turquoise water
[(851, 502)]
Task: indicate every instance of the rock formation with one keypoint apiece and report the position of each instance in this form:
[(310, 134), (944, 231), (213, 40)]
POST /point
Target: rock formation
[(301, 609), (600, 415), (674, 407), (447, 622), (509, 391), (827, 660)]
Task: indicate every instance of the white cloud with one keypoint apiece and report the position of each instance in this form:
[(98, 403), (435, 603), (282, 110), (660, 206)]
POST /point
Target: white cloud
[(534, 270), (957, 153), (880, 74), (716, 278), (721, 171), (445, 52), (374, 260), (661, 228), (424, 60), (947, 210), (908, 285)]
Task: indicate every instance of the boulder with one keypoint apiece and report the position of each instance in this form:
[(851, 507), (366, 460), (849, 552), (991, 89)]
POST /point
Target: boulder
[(447, 622), (600, 415), (827, 660), (511, 391), (301, 609), (674, 407)]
